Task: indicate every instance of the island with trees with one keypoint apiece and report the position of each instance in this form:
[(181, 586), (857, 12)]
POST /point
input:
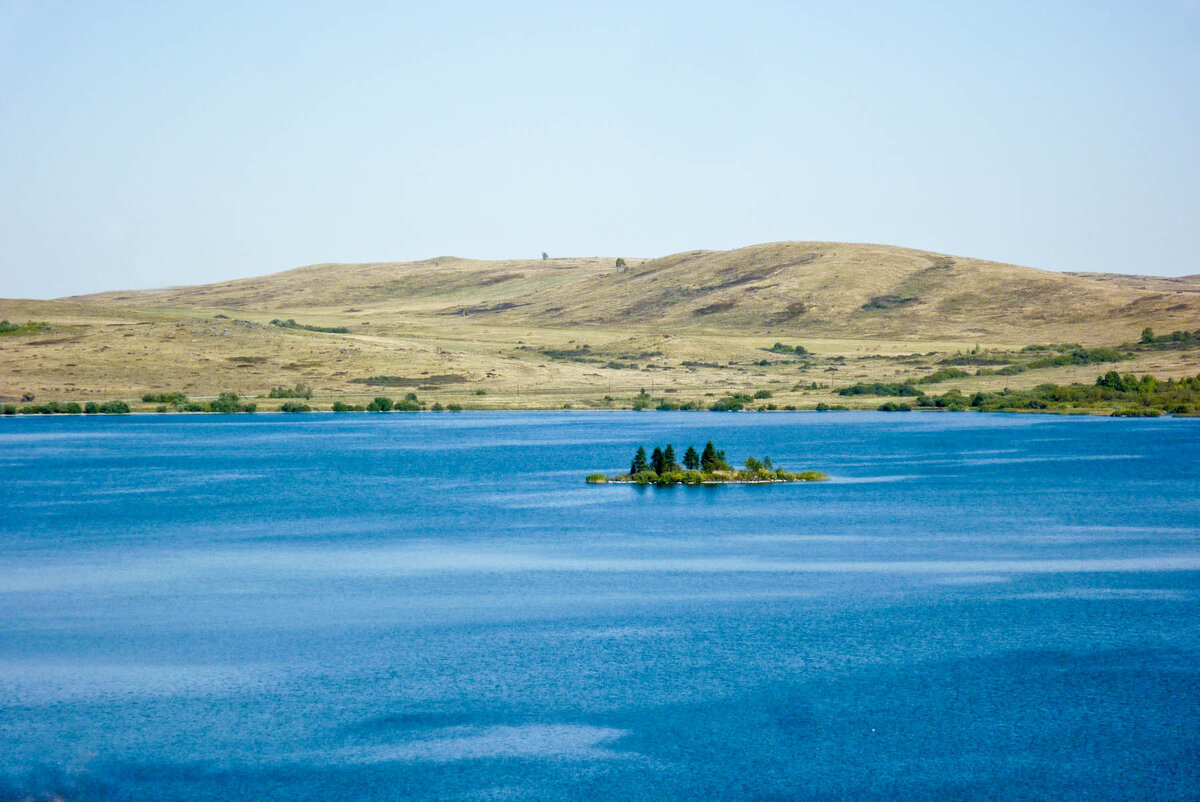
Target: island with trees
[(709, 467)]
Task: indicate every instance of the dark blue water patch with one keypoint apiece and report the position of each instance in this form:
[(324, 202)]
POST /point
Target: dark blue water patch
[(348, 607)]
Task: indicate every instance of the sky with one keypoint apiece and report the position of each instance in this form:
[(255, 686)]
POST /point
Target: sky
[(155, 144)]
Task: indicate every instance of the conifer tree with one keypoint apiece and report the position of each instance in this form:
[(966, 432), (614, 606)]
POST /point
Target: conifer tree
[(708, 460), (691, 460), (657, 462), (639, 462), (669, 463)]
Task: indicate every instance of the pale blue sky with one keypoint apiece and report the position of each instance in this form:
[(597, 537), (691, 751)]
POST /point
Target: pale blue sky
[(157, 143)]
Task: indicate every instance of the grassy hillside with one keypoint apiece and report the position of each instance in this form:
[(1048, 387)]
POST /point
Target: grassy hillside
[(534, 333), (796, 288)]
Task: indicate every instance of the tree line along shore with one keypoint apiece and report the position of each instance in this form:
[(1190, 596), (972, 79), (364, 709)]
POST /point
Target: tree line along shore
[(1112, 393)]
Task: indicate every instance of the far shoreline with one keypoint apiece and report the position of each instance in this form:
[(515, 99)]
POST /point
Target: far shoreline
[(140, 413)]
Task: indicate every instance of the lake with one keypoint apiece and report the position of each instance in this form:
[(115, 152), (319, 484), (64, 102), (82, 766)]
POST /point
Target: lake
[(428, 606)]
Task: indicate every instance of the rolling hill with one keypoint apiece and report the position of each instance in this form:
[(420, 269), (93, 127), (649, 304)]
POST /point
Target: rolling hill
[(543, 333), (798, 288)]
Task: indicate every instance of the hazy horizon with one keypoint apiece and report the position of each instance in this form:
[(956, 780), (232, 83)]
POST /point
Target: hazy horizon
[(150, 146)]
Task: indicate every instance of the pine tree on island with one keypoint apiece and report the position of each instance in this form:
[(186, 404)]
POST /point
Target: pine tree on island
[(709, 468), (712, 459), (639, 462), (669, 463)]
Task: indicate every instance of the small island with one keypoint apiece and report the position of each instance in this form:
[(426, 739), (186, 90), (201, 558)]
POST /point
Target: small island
[(707, 468)]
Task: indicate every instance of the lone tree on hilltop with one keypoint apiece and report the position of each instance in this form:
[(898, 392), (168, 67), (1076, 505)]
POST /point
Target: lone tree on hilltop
[(545, 256), (639, 462), (691, 460), (620, 263)]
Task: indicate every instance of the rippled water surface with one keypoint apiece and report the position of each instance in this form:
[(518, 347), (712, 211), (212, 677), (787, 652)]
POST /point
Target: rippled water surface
[(436, 606)]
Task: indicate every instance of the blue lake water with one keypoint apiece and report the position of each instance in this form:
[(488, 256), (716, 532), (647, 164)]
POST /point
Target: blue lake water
[(436, 606)]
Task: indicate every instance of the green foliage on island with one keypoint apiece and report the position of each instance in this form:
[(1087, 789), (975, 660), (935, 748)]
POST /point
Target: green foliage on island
[(300, 390), (291, 324), (707, 467), (29, 327)]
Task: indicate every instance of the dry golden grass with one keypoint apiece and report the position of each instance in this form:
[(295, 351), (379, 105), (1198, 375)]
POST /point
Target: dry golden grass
[(867, 312)]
